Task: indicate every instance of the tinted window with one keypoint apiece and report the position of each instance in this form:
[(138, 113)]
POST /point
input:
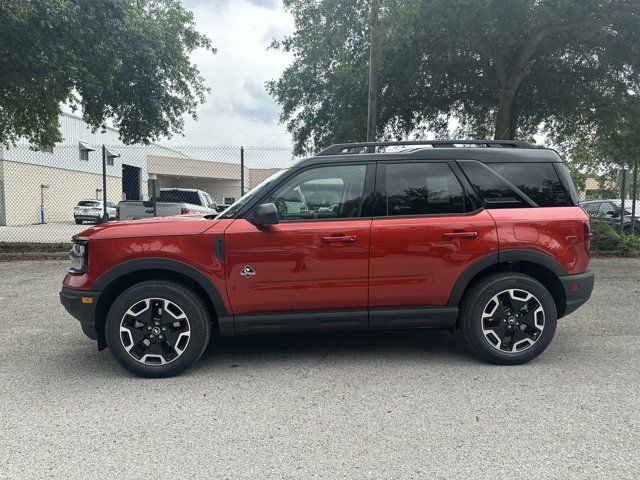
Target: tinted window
[(86, 203), (495, 192), (423, 189), (324, 192), (539, 181), (607, 207), (592, 208), (179, 196)]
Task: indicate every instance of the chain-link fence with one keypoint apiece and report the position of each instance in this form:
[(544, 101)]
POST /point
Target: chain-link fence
[(47, 196)]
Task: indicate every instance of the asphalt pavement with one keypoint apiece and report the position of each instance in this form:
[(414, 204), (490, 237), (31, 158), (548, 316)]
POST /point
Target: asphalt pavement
[(346, 406)]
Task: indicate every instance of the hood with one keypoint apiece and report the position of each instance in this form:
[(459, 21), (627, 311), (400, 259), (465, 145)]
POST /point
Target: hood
[(150, 227)]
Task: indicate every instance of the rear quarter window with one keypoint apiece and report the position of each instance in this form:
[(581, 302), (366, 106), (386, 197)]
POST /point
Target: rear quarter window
[(516, 184), (539, 181)]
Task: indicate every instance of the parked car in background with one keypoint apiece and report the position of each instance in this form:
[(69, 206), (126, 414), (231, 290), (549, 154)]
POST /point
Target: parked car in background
[(488, 239), (608, 211), (92, 211), (172, 201)]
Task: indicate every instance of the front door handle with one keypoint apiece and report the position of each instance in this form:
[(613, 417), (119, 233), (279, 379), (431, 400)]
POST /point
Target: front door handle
[(451, 235), (340, 238)]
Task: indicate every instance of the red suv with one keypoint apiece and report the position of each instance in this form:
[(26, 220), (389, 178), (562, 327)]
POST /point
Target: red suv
[(483, 236)]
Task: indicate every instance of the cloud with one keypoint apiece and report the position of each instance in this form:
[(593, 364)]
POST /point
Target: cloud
[(221, 4), (239, 111)]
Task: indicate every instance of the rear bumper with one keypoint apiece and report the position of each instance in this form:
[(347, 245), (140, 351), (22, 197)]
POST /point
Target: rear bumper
[(81, 304), (577, 289)]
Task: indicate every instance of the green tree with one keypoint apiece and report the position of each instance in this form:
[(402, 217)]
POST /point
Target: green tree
[(124, 60), (503, 68)]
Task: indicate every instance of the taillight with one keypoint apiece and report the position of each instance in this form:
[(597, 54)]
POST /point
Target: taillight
[(184, 211)]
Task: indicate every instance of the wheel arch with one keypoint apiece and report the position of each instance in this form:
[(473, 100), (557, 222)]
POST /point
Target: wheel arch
[(116, 280), (544, 268)]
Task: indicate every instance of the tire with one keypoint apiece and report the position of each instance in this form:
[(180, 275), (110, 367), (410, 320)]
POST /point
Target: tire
[(78, 221), (511, 334), (157, 328)]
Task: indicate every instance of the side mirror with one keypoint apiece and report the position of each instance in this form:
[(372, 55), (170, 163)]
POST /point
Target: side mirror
[(265, 214)]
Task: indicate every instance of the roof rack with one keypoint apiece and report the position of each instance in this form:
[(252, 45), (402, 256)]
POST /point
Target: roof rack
[(348, 148)]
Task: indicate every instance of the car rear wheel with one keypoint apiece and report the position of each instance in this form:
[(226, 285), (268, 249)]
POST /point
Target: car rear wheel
[(508, 318), (157, 328)]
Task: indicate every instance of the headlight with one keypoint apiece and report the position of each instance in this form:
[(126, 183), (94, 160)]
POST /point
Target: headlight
[(78, 257)]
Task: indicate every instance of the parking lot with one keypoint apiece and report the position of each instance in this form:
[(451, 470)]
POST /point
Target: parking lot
[(375, 405)]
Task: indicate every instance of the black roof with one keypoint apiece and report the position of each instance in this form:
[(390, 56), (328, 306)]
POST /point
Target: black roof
[(486, 151)]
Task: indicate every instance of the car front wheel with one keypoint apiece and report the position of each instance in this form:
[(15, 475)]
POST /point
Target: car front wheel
[(157, 328), (508, 318)]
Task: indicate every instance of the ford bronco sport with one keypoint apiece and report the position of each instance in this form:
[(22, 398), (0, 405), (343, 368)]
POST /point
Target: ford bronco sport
[(484, 236)]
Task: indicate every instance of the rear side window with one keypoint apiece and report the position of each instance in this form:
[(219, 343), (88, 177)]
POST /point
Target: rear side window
[(179, 196), (515, 185), (85, 203), (422, 189), (539, 181)]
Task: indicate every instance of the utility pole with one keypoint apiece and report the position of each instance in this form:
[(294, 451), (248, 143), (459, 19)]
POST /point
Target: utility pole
[(372, 110)]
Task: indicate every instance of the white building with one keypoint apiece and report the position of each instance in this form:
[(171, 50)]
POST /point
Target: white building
[(50, 183)]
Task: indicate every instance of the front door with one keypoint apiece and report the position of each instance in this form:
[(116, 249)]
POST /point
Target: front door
[(310, 271)]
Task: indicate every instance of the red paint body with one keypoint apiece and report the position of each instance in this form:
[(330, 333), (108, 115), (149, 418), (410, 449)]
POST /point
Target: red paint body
[(380, 262)]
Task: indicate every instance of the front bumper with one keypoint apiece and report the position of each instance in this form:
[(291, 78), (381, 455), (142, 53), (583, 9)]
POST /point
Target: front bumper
[(81, 304), (577, 290)]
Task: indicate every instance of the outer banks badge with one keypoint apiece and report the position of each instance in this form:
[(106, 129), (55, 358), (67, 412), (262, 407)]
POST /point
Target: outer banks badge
[(248, 272)]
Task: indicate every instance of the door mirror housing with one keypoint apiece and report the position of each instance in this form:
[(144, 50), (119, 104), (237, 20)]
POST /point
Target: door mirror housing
[(265, 214)]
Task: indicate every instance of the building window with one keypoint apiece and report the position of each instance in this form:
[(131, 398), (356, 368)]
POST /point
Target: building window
[(110, 160), (84, 149), (229, 200)]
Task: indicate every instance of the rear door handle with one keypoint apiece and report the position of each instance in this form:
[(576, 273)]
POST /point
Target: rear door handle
[(340, 238), (450, 235)]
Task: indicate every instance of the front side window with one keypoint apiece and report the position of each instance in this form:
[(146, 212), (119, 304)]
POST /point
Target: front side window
[(423, 189), (322, 193)]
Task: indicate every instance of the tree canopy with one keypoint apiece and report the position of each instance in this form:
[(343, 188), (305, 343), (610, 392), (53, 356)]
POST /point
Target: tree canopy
[(502, 68), (123, 60)]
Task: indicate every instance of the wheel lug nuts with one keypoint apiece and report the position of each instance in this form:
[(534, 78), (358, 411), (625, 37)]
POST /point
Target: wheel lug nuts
[(151, 336), (164, 329), (148, 328), (160, 337), (157, 323)]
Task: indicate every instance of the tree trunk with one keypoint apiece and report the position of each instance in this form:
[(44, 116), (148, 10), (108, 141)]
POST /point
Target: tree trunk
[(505, 120)]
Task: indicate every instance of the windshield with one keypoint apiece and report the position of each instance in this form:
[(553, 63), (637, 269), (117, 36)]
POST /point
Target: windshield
[(247, 197)]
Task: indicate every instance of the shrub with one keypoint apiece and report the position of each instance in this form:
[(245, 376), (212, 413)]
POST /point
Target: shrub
[(606, 239)]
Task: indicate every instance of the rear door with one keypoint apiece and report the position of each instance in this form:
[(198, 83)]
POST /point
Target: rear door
[(426, 230), (310, 271)]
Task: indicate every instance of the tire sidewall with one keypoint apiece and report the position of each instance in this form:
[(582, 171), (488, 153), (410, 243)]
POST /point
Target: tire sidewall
[(486, 291), (190, 304)]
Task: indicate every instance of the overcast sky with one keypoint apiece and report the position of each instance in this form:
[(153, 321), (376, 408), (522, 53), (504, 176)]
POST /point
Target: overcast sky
[(238, 111)]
